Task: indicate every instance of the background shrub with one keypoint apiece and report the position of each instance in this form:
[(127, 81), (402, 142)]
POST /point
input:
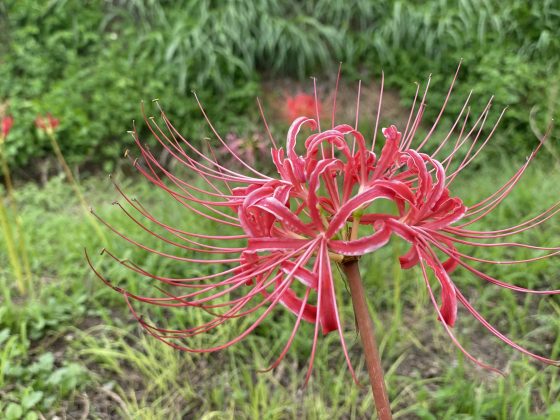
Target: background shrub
[(91, 62)]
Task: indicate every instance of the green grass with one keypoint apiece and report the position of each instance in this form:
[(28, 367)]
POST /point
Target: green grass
[(76, 349)]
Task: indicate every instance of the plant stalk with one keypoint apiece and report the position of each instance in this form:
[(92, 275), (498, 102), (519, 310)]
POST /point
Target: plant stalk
[(75, 187), (365, 328), (22, 248), (6, 229)]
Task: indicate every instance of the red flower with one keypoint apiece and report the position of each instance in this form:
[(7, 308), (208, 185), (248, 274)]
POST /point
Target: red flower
[(289, 229), (47, 123), (7, 123), (301, 105)]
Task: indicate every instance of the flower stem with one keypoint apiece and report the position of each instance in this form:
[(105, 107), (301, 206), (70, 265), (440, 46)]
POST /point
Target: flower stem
[(6, 229), (21, 247), (75, 187), (365, 329)]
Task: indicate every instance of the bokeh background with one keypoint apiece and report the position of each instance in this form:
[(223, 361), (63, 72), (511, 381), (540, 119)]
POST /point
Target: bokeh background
[(69, 347)]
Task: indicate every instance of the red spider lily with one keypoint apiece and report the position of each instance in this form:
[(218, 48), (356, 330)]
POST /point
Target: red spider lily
[(301, 104), (47, 123), (319, 209), (7, 123)]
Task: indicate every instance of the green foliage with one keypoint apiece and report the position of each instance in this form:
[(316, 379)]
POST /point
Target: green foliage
[(91, 63), (33, 382), (509, 51), (70, 59)]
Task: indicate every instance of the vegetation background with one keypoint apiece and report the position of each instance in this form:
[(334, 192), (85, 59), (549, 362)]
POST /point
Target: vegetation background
[(68, 347)]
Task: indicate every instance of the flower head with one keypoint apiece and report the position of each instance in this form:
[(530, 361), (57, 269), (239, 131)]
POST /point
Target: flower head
[(320, 209), (47, 123), (7, 122), (301, 104)]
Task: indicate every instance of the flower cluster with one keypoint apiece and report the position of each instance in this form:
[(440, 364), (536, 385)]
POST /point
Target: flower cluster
[(47, 123), (323, 207), (301, 104)]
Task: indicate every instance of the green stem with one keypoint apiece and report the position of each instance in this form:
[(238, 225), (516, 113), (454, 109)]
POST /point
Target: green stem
[(367, 335), (12, 253), (75, 187), (22, 248)]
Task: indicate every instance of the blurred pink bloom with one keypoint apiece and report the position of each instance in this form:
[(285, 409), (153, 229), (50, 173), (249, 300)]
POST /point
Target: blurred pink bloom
[(248, 149), (7, 123), (46, 123), (282, 234), (301, 104)]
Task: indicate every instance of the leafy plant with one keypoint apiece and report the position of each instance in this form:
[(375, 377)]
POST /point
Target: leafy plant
[(91, 63)]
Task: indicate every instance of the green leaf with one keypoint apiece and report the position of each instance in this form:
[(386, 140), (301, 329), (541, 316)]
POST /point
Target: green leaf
[(30, 400), (4, 334), (13, 411), (44, 363)]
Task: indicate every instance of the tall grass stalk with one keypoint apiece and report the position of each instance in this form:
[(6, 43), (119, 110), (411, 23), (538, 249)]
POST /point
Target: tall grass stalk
[(75, 187), (12, 252), (20, 231)]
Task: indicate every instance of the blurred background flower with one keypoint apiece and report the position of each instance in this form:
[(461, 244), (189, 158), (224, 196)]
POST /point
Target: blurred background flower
[(251, 149), (7, 123), (300, 105), (46, 123)]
